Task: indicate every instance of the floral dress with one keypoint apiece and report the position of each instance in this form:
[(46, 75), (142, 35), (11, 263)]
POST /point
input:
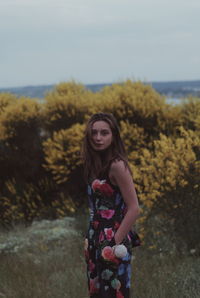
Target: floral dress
[(108, 276)]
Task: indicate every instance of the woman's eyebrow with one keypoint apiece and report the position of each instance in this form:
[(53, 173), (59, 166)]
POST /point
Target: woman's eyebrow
[(103, 129)]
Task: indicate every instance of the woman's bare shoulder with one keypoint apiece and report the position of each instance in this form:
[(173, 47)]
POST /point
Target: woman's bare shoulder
[(118, 165)]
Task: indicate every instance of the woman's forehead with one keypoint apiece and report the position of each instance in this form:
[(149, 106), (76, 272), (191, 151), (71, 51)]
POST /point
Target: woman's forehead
[(100, 125)]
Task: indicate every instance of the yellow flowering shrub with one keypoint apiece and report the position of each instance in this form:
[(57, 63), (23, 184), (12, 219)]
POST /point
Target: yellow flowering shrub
[(134, 137), (5, 100), (63, 161), (41, 171), (135, 102), (168, 183), (66, 105), (20, 139), (19, 204), (190, 110), (170, 119), (23, 203), (62, 152), (19, 117)]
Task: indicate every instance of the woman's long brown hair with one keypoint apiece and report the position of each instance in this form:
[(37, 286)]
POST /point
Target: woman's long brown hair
[(96, 164)]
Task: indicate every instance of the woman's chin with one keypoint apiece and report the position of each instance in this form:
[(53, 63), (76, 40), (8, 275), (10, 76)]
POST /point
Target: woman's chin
[(99, 149)]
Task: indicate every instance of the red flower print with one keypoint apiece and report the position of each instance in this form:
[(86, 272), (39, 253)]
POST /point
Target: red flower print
[(103, 187), (95, 224), (108, 255), (109, 233), (94, 286), (91, 265), (119, 295), (107, 213), (96, 184), (106, 189), (115, 260), (101, 237)]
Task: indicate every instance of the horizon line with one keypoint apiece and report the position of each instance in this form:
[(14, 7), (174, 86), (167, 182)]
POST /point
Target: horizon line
[(91, 84)]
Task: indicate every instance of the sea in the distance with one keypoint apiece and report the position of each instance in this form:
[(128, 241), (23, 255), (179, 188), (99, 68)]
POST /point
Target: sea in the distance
[(174, 100), (174, 91)]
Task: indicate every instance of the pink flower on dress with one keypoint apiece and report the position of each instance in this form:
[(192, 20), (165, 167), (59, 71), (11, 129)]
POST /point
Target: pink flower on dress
[(101, 236), (96, 184), (107, 213), (94, 286), (95, 224), (108, 255), (106, 189), (109, 233), (103, 187), (91, 266), (119, 295)]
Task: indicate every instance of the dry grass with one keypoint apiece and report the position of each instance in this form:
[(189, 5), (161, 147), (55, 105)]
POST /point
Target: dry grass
[(165, 276), (57, 269)]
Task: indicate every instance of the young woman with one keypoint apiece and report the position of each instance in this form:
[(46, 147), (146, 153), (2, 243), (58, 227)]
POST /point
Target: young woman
[(113, 209)]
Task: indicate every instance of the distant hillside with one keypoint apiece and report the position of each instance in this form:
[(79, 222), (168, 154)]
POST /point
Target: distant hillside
[(174, 89)]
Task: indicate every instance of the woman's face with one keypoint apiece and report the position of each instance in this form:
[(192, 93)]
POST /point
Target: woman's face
[(101, 135)]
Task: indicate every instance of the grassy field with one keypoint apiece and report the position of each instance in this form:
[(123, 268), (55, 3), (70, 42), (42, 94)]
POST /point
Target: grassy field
[(56, 269)]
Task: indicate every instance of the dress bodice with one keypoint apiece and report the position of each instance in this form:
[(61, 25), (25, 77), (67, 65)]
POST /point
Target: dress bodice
[(107, 210), (105, 201)]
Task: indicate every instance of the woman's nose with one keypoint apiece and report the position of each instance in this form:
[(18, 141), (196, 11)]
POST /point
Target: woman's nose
[(98, 136)]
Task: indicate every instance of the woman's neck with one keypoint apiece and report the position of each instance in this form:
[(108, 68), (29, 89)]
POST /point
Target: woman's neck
[(104, 155)]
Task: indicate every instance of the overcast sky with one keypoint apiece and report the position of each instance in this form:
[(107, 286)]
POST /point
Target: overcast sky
[(98, 41)]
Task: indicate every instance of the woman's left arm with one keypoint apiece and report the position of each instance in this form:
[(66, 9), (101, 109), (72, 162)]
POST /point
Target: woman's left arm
[(123, 179)]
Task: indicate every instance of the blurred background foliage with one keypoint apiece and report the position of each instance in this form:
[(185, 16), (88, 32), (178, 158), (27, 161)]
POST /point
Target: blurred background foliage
[(41, 171)]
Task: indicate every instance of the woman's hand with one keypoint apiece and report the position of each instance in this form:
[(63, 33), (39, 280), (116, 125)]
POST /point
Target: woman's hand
[(117, 239)]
